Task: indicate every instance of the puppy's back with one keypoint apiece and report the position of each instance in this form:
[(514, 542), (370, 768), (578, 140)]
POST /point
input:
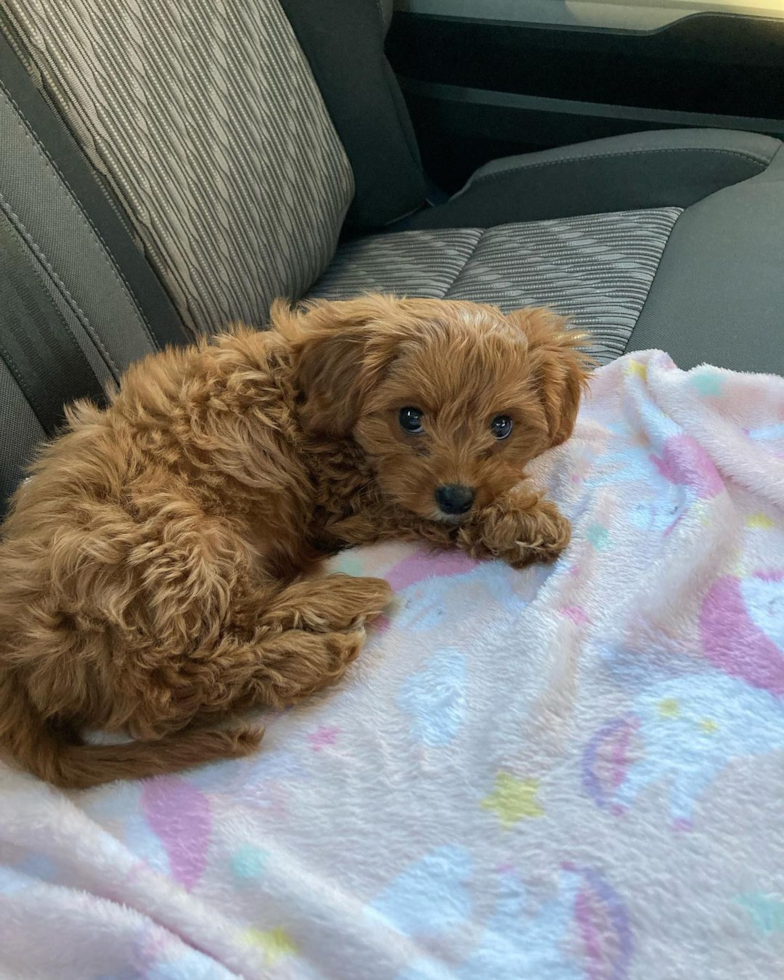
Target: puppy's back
[(100, 499)]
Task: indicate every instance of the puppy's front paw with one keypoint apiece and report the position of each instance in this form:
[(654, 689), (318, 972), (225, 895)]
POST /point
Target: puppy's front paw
[(537, 533)]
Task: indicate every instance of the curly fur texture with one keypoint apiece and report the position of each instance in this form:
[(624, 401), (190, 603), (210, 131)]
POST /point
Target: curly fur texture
[(158, 570)]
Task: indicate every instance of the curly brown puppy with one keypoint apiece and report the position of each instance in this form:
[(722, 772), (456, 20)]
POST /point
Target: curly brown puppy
[(154, 570)]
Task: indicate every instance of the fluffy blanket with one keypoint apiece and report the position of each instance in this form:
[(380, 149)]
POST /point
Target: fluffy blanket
[(566, 773)]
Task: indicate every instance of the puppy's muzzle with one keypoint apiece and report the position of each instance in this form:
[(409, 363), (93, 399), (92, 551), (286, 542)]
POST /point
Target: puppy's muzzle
[(454, 499)]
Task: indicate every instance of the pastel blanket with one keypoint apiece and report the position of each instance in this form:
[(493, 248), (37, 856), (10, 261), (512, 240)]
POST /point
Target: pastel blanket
[(566, 773)]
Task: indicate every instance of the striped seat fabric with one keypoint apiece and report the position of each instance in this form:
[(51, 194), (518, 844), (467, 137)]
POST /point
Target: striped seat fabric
[(205, 120), (596, 269)]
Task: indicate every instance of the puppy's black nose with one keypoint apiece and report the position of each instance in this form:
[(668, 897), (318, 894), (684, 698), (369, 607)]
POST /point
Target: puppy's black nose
[(454, 499)]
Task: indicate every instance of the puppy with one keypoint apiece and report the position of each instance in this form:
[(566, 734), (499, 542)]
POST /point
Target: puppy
[(156, 570)]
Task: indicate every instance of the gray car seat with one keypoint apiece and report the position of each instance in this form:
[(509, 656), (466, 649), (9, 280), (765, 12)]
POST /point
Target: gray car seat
[(166, 169)]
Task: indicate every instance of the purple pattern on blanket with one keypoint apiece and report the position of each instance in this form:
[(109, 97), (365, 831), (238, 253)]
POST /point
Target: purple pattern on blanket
[(742, 628)]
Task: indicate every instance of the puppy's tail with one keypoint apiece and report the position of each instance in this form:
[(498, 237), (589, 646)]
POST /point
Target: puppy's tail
[(56, 756)]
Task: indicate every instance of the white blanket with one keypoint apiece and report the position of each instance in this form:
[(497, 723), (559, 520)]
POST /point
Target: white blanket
[(566, 773)]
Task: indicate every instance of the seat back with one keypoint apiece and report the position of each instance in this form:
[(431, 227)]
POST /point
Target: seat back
[(78, 301), (205, 120), (344, 43)]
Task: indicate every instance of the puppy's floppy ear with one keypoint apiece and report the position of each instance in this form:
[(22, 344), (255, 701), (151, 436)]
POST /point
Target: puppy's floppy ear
[(559, 366), (339, 351)]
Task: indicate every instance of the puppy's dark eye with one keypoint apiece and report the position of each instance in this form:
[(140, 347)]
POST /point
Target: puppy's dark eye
[(411, 420), (501, 426)]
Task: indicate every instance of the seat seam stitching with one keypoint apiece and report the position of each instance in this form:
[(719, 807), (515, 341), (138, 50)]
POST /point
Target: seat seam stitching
[(114, 267), (32, 245), (80, 315), (482, 233)]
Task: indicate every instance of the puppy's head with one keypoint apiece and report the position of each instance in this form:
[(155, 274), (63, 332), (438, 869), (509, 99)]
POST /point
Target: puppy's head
[(449, 400)]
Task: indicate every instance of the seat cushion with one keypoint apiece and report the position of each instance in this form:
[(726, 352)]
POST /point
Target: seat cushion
[(712, 291), (595, 269), (718, 296)]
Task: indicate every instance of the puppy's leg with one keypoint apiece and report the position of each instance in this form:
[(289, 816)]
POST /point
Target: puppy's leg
[(520, 527), (293, 643), (273, 669), (331, 604), (388, 523)]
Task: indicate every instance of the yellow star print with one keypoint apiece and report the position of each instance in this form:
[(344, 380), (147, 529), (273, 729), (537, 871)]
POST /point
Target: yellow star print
[(636, 367), (760, 521), (669, 708), (275, 943), (512, 799)]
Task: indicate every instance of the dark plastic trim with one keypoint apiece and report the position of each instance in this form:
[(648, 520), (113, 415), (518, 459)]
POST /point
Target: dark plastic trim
[(513, 108)]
